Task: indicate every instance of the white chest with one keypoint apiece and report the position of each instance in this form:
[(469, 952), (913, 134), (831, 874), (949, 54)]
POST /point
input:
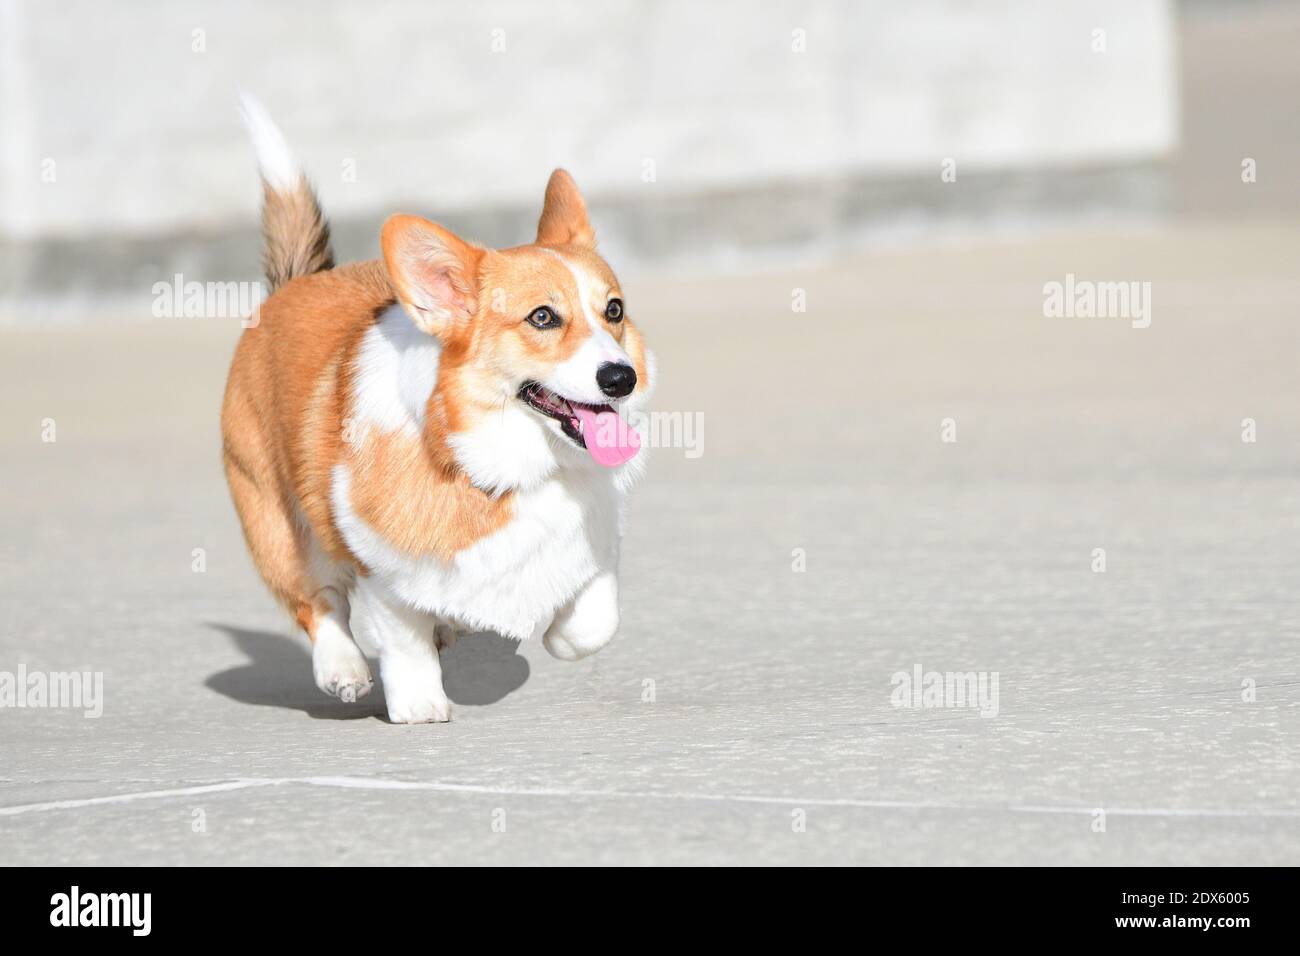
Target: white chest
[(560, 536)]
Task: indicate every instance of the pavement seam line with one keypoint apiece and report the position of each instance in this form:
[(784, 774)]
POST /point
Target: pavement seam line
[(74, 804), (379, 783)]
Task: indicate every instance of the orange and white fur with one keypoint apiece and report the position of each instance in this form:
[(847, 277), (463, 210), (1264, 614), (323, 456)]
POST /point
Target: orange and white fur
[(433, 442)]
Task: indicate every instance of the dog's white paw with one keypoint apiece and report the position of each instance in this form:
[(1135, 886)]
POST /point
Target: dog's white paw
[(587, 623), (423, 708), (561, 648), (568, 642), (414, 694), (340, 668)]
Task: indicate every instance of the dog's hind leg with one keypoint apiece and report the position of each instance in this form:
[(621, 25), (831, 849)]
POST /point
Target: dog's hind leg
[(336, 662), (312, 590)]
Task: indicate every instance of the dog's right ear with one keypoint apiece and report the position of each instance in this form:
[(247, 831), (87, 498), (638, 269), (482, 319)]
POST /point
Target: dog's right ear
[(434, 271)]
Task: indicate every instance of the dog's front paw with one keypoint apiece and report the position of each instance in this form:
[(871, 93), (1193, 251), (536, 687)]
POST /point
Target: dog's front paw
[(562, 647), (573, 645), (428, 709), (587, 623), (416, 697)]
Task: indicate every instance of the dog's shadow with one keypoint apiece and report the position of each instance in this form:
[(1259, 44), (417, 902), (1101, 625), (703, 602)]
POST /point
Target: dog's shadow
[(479, 669)]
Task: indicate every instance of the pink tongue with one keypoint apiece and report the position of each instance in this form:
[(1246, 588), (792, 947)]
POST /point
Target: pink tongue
[(609, 439)]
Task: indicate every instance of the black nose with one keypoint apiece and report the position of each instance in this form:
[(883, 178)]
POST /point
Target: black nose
[(615, 379)]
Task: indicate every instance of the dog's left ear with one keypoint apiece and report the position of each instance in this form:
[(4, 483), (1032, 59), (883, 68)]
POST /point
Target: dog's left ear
[(564, 219)]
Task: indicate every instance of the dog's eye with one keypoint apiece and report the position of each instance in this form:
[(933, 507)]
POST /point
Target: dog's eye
[(544, 318), (614, 311)]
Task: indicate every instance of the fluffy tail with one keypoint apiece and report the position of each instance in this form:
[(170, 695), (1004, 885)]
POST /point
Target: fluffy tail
[(294, 230)]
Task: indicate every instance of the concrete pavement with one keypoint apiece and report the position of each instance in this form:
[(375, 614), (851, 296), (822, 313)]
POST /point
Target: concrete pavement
[(746, 713)]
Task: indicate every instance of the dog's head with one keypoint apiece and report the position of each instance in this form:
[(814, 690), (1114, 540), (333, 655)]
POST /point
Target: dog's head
[(540, 361)]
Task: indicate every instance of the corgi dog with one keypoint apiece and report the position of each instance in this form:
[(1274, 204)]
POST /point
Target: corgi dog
[(435, 441)]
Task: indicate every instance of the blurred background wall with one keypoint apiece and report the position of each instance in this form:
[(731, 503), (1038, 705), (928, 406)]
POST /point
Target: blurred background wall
[(712, 134)]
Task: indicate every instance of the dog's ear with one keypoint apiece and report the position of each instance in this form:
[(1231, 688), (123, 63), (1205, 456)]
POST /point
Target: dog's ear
[(564, 219), (434, 271)]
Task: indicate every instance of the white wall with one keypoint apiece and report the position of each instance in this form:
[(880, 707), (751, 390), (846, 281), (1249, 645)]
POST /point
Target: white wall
[(144, 137)]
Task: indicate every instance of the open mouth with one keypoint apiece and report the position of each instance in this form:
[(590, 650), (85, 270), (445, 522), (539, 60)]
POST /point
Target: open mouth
[(563, 410), (597, 428)]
